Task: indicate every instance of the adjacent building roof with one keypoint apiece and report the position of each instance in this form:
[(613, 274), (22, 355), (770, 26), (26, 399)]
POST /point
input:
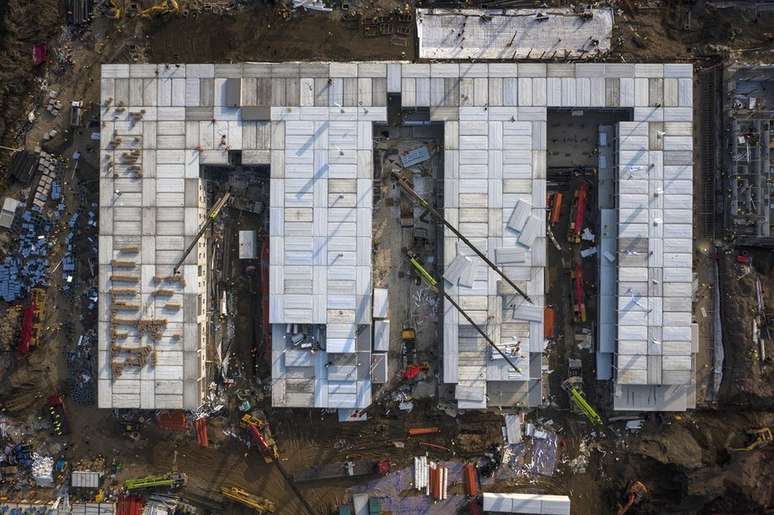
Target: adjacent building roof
[(511, 34), (655, 354)]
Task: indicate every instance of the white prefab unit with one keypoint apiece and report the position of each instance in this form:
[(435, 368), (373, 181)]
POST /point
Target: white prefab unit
[(247, 245), (536, 504)]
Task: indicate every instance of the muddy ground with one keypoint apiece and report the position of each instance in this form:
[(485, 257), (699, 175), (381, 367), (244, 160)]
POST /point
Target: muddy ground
[(683, 458)]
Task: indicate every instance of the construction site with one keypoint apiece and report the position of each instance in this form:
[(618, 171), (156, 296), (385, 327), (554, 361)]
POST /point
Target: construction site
[(361, 258)]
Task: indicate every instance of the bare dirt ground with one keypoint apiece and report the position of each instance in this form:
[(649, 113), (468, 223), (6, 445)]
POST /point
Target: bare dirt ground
[(682, 458)]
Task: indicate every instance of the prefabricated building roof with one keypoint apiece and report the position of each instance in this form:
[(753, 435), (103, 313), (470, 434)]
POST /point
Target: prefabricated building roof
[(151, 341), (511, 34), (322, 119)]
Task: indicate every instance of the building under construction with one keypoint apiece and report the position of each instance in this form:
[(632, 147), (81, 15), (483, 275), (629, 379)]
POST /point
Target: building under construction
[(748, 161), (313, 124)]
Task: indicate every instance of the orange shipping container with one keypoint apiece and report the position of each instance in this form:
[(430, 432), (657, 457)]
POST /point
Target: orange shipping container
[(548, 322), (556, 208), (470, 478), (416, 431)]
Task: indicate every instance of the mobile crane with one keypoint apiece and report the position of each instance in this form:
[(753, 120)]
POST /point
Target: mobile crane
[(261, 435), (580, 401), (404, 185), (211, 217), (170, 480), (259, 504), (430, 280)]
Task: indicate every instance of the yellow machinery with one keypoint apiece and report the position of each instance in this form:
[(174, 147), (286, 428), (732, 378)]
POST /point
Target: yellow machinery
[(762, 436), (211, 217), (163, 7), (259, 504), (114, 11), (261, 435)]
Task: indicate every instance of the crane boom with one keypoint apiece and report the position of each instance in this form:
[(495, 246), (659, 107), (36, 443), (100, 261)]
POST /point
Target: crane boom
[(424, 274), (580, 401), (211, 216), (426, 205)]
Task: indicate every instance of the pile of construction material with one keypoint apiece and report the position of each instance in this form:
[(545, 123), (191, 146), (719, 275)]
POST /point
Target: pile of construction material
[(431, 477)]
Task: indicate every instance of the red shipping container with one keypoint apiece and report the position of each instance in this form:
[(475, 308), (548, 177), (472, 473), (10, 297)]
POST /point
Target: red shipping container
[(470, 478), (201, 432)]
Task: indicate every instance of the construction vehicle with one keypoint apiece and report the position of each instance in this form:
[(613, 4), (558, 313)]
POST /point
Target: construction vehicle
[(260, 434), (569, 385), (171, 480), (761, 436), (635, 494), (163, 7), (259, 504), (211, 217), (57, 415), (578, 213), (409, 352), (114, 11), (579, 294), (425, 275), (404, 186), (345, 469), (414, 370)]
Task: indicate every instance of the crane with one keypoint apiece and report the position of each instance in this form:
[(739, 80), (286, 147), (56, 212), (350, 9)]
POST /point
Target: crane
[(426, 205), (211, 216), (259, 504), (163, 7), (170, 480), (580, 401), (424, 274), (261, 435)]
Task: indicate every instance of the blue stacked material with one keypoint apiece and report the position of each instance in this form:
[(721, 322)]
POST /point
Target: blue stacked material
[(82, 386), (56, 190), (69, 261), (10, 287), (25, 268), (23, 455)]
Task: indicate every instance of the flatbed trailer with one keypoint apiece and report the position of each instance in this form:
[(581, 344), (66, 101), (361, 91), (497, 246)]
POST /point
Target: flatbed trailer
[(341, 469)]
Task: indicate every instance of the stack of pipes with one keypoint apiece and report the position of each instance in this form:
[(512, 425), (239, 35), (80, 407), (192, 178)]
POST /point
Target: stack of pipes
[(431, 477)]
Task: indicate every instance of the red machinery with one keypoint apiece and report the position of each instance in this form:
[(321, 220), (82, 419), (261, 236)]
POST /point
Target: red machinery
[(579, 202), (200, 424), (261, 436), (25, 338)]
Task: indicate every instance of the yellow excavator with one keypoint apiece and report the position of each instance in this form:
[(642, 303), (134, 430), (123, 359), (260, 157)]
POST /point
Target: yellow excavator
[(761, 436), (114, 11), (635, 494), (163, 7)]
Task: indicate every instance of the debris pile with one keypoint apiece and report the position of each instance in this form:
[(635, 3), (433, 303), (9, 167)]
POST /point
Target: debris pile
[(42, 470)]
